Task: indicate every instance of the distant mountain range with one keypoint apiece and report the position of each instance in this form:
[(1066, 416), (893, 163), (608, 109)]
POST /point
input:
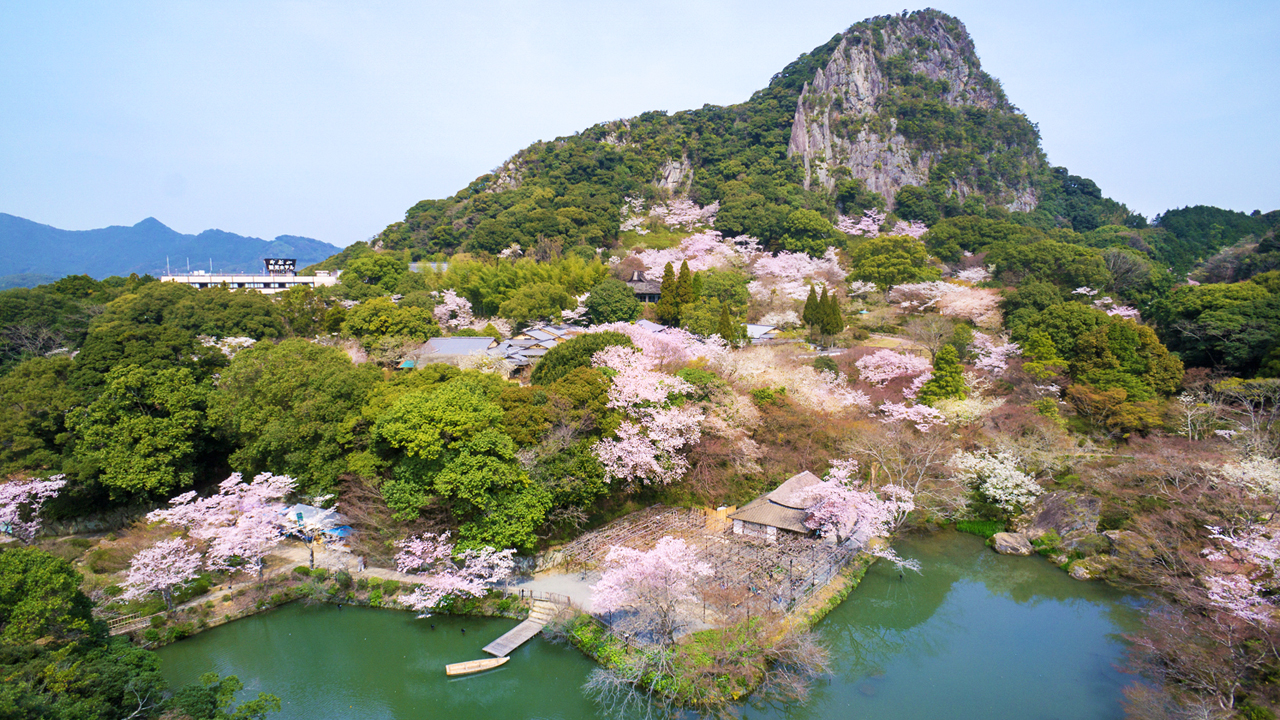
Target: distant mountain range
[(31, 253)]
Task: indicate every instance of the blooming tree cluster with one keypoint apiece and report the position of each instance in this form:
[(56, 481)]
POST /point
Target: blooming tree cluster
[(1109, 306), (442, 573), (866, 226), (782, 319), (981, 306), (679, 213), (649, 586), (974, 274), (228, 346), (913, 229), (997, 477), (839, 506), (703, 251), (790, 274), (671, 345), (861, 287), (922, 295), (1257, 474), (161, 569), (242, 522), (993, 353), (20, 503), (821, 391), (884, 366), (923, 417), (511, 252), (578, 313), (452, 310), (648, 444)]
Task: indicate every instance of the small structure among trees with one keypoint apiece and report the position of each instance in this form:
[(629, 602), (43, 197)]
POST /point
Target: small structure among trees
[(784, 509)]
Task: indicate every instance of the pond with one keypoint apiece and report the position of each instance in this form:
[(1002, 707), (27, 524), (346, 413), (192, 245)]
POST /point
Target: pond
[(977, 635)]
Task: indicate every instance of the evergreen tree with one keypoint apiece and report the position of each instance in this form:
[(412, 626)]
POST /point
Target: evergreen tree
[(947, 380), (684, 286), (832, 320), (810, 316), (726, 329), (668, 306)]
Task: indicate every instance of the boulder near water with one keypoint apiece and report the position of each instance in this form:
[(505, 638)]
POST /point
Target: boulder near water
[(1066, 513), (1007, 543)]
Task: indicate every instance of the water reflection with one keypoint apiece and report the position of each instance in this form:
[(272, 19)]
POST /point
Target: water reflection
[(978, 635)]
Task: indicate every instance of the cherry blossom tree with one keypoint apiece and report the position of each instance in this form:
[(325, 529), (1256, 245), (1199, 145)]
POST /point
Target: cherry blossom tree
[(443, 573), (20, 503), (993, 353), (578, 313), (512, 251), (866, 226), (452, 310), (981, 306), (241, 522), (647, 446), (913, 229), (923, 417), (974, 274), (884, 366), (161, 569), (649, 587), (789, 274), (996, 477), (839, 506)]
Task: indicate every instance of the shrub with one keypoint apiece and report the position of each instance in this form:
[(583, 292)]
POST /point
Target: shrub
[(362, 584), (981, 528), (343, 579), (375, 598), (302, 570), (390, 587), (319, 574)]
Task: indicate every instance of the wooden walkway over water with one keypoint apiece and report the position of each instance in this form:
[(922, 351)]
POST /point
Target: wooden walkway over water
[(541, 612)]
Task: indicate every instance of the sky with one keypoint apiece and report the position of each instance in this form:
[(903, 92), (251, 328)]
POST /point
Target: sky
[(330, 119)]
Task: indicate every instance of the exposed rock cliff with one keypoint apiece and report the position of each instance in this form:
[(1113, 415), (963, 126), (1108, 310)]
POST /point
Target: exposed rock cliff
[(899, 94)]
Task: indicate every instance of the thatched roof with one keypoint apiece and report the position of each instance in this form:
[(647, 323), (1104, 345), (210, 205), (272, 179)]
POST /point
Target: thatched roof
[(782, 508)]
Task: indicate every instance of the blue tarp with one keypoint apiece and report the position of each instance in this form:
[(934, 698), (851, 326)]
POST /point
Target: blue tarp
[(341, 531)]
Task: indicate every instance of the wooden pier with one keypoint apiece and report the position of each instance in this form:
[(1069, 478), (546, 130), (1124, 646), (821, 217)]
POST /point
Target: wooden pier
[(541, 612)]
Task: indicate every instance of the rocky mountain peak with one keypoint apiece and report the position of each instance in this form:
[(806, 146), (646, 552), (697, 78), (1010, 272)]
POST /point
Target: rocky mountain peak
[(897, 95)]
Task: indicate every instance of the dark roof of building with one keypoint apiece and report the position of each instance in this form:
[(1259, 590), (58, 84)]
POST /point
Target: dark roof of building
[(764, 512), (784, 507), (791, 492), (456, 345)]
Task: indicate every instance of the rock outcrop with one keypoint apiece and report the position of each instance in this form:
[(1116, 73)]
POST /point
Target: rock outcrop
[(1071, 515), (1007, 543), (838, 127)]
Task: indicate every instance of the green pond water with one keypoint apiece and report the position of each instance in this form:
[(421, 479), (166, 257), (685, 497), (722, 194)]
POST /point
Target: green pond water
[(977, 635)]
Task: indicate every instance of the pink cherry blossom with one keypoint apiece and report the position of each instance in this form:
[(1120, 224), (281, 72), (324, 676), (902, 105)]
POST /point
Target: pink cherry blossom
[(161, 569), (241, 521), (650, 585), (866, 226), (20, 503), (443, 573), (913, 229), (884, 366), (993, 353), (453, 310), (922, 416)]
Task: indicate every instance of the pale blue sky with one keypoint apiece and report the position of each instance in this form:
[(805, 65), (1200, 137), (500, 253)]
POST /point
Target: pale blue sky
[(329, 119)]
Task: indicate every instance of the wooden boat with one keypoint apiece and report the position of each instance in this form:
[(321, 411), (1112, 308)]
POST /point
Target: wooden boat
[(473, 666)]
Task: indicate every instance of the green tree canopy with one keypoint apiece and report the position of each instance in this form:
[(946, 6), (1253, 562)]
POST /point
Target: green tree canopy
[(574, 353), (889, 260), (807, 231), (612, 301), (144, 432), (293, 409)]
